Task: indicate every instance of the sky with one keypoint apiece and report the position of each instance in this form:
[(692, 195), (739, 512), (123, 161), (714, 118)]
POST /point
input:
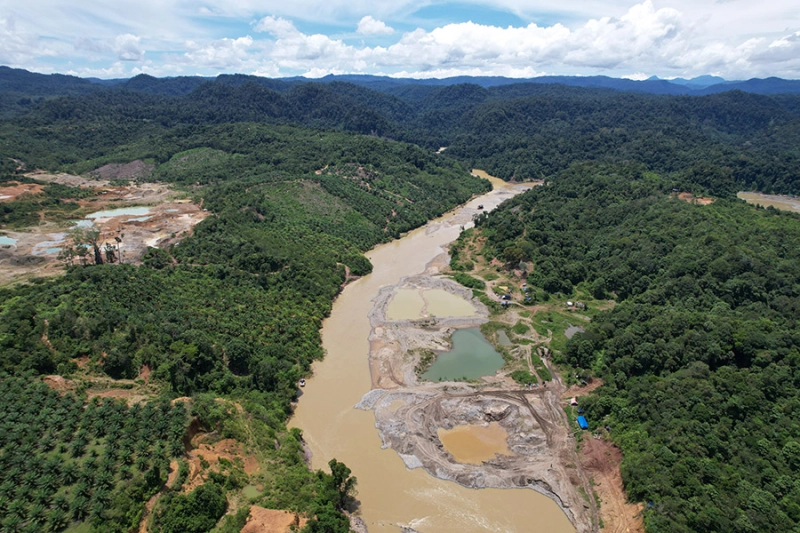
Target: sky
[(734, 39)]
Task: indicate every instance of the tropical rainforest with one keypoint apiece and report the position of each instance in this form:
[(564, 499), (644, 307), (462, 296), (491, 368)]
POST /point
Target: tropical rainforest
[(700, 355)]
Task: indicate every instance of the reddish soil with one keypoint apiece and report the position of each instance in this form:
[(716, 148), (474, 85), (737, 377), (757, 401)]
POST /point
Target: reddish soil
[(698, 200), (263, 520), (581, 390), (131, 396), (144, 373), (59, 383), (8, 194), (211, 453), (601, 460)]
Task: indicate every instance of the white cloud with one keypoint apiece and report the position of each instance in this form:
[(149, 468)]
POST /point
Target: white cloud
[(278, 27), (668, 38), (18, 47), (222, 54), (127, 47), (371, 26)]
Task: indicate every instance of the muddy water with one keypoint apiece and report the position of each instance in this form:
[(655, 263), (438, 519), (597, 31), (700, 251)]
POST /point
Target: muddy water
[(407, 304), (786, 203), (442, 303), (390, 494), (475, 444)]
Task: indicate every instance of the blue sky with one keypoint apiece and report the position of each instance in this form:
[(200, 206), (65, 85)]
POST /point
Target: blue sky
[(736, 39)]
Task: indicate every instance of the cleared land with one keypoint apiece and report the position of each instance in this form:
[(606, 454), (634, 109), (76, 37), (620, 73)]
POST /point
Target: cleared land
[(169, 217)]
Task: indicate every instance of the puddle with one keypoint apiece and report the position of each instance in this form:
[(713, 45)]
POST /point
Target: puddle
[(572, 330), (407, 304), (83, 223), (474, 445), (251, 492), (786, 203), (442, 303), (42, 248), (122, 211), (7, 241), (502, 338), (470, 358), (139, 219)]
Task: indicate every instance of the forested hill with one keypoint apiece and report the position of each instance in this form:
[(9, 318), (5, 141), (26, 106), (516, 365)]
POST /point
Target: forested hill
[(233, 311), (719, 143), (701, 354)]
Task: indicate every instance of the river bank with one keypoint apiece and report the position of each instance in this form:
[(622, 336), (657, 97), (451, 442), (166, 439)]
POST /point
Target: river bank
[(393, 496)]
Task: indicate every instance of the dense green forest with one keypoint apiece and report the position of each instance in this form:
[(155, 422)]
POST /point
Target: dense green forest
[(720, 143), (701, 354)]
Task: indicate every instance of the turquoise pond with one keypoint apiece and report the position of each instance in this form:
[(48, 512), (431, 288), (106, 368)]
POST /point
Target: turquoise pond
[(7, 241), (123, 211), (471, 357)]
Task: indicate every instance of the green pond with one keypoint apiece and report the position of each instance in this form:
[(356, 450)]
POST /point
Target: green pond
[(471, 357)]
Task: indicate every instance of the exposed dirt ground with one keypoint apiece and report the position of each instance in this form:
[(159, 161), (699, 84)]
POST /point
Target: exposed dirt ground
[(698, 200), (263, 520), (602, 460), (13, 190), (169, 219), (211, 452)]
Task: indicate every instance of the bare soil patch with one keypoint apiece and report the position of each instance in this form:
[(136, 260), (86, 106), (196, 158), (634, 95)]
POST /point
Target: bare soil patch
[(66, 179), (59, 383), (602, 460), (263, 520), (697, 200), (127, 171), (169, 220), (582, 390), (10, 193), (205, 457), (131, 396)]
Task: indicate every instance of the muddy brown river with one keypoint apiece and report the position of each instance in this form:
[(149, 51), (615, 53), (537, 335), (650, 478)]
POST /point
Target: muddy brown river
[(391, 495)]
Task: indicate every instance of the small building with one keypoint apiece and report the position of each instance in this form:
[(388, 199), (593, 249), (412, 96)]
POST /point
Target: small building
[(573, 401), (583, 423)]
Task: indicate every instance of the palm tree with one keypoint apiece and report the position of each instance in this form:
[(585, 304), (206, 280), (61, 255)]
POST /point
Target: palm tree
[(69, 473), (79, 508), (56, 520), (37, 513), (11, 524)]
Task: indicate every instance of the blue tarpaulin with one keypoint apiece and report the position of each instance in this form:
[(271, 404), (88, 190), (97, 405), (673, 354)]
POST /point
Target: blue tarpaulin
[(583, 423)]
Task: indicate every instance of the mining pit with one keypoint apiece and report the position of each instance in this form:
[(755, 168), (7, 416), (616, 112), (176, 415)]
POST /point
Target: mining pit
[(33, 251), (412, 414)]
